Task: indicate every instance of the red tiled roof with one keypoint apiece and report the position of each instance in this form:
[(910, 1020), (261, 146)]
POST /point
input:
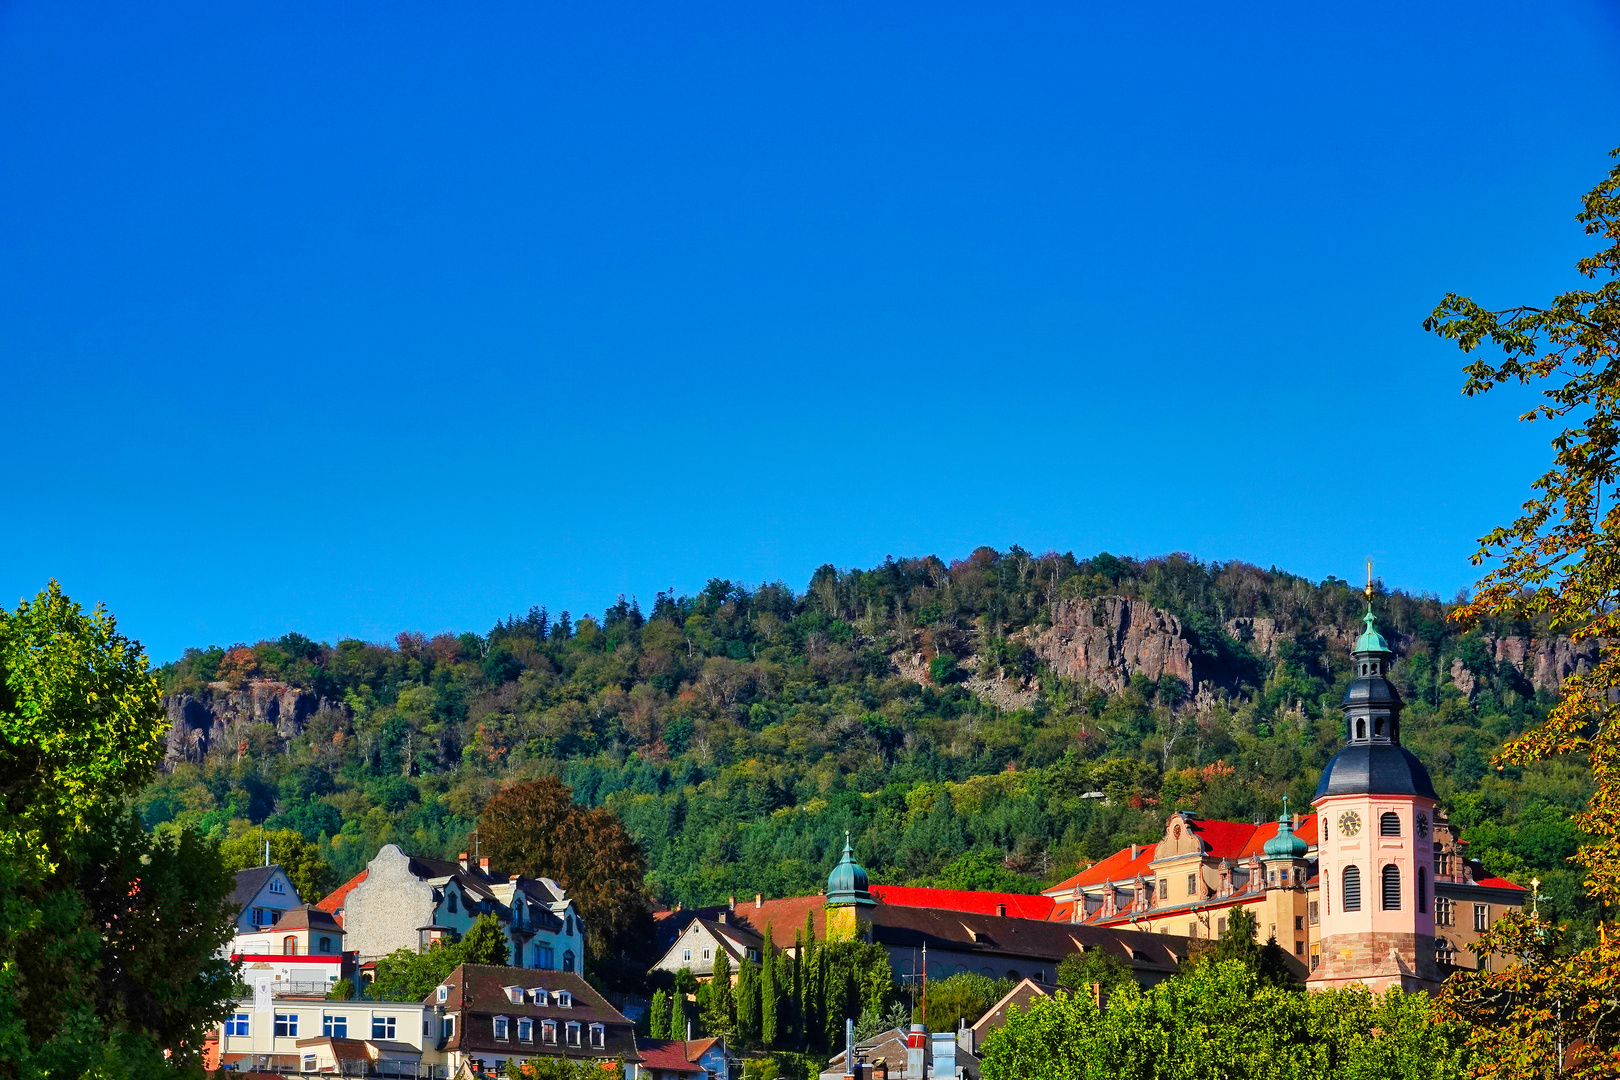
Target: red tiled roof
[(668, 1055), (1306, 827), (1499, 883), (334, 899), (1117, 867), (1018, 905)]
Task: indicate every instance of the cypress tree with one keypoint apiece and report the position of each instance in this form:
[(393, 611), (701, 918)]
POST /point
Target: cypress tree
[(677, 1015), (720, 1011), (748, 1003), (767, 993), (658, 1016)]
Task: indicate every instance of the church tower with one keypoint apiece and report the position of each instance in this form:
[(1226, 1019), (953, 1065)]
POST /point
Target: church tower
[(1376, 807), (849, 899)]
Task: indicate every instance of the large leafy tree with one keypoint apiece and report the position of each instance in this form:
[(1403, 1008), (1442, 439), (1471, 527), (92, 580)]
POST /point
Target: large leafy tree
[(1219, 1020), (409, 975), (538, 830), (1559, 562), (109, 937)]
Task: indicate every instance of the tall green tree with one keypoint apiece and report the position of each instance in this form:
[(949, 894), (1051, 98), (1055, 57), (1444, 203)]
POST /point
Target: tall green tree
[(93, 976), (409, 975), (748, 996), (769, 991), (1559, 562), (720, 1001), (658, 1015), (1240, 942)]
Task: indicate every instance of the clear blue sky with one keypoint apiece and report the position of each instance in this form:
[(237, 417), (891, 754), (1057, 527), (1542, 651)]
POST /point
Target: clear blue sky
[(353, 318)]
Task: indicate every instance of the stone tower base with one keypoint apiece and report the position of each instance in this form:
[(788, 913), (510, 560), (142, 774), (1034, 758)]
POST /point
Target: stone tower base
[(1378, 961)]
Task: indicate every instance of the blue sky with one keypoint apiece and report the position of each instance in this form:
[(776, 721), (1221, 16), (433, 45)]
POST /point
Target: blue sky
[(357, 318)]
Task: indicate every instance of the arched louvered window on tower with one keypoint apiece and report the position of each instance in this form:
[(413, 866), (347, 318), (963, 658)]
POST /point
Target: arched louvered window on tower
[(1350, 895), (1389, 824), (1392, 887)]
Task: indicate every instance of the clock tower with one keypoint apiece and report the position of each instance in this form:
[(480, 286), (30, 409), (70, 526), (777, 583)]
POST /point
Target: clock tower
[(1375, 851)]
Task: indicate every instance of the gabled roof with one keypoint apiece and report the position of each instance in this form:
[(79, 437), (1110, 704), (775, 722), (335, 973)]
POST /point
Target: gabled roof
[(1499, 883), (1017, 905), (784, 917), (667, 1055), (996, 1015), (332, 902), (1117, 867), (250, 882), (305, 917), (1233, 840), (478, 993)]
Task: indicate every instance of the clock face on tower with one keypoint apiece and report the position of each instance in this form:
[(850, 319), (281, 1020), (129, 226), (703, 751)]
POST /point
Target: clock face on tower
[(1349, 823), (1423, 824)]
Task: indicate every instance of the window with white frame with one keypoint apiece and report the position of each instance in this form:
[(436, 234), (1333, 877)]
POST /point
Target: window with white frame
[(706, 954), (548, 1032), (237, 1024), (686, 954), (335, 1026), (444, 993), (525, 1030), (598, 1035), (514, 994), (565, 1000), (1482, 917), (573, 1033), (502, 1024), (449, 1028), (383, 1027), (309, 1063), (286, 1025)]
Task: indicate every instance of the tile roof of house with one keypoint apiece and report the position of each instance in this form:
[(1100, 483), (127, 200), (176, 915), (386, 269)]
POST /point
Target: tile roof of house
[(783, 917), (1017, 905), (477, 991), (306, 917), (1499, 883), (342, 1049), (249, 882), (332, 902), (696, 1048), (669, 1055), (1233, 840), (1037, 940)]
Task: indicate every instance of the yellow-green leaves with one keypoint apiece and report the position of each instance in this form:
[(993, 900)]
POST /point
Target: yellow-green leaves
[(81, 724)]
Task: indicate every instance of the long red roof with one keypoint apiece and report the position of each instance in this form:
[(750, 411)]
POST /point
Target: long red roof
[(1234, 840), (1016, 905)]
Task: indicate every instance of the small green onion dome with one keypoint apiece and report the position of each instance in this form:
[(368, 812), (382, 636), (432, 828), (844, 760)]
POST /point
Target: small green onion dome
[(1370, 640), (1285, 845), (848, 883)]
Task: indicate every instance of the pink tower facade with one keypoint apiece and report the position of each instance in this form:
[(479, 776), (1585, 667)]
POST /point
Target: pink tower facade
[(1375, 845)]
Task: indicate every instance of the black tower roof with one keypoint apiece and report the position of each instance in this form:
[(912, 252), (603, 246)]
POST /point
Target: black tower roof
[(1373, 761)]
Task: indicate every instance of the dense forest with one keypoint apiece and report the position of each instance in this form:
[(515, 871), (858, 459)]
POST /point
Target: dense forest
[(740, 731)]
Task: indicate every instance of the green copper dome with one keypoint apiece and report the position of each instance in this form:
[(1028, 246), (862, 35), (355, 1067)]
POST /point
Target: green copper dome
[(1285, 845), (847, 884), (1370, 640)]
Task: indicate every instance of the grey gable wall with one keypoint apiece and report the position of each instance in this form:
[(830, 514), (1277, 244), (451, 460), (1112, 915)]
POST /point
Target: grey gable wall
[(383, 912)]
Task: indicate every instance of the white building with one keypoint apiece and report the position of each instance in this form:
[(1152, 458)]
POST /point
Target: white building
[(270, 1032)]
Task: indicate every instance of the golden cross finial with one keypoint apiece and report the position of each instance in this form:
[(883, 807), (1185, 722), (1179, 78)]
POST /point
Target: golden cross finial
[(1369, 579)]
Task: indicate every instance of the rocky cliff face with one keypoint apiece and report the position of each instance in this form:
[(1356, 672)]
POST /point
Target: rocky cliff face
[(1545, 662), (1107, 640), (222, 714)]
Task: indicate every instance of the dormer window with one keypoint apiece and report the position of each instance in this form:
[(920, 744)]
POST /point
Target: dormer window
[(565, 1000), (514, 994), (542, 996), (443, 994)]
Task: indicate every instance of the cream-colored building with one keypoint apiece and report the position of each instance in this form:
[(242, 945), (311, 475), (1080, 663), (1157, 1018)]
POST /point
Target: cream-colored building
[(268, 1032)]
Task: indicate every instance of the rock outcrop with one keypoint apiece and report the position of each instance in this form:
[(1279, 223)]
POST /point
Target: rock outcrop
[(222, 713), (1107, 640)]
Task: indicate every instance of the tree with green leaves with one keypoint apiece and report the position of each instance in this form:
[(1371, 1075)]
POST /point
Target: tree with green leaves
[(748, 1000), (1094, 967), (304, 862), (966, 995), (1240, 942), (93, 976), (719, 1014), (1219, 1020), (769, 992), (1559, 562), (658, 1015), (409, 975), (563, 1068)]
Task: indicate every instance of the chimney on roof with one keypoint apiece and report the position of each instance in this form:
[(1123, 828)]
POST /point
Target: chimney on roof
[(1001, 909), (462, 859), (1136, 849), (483, 863), (759, 900), (677, 905), (731, 904)]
